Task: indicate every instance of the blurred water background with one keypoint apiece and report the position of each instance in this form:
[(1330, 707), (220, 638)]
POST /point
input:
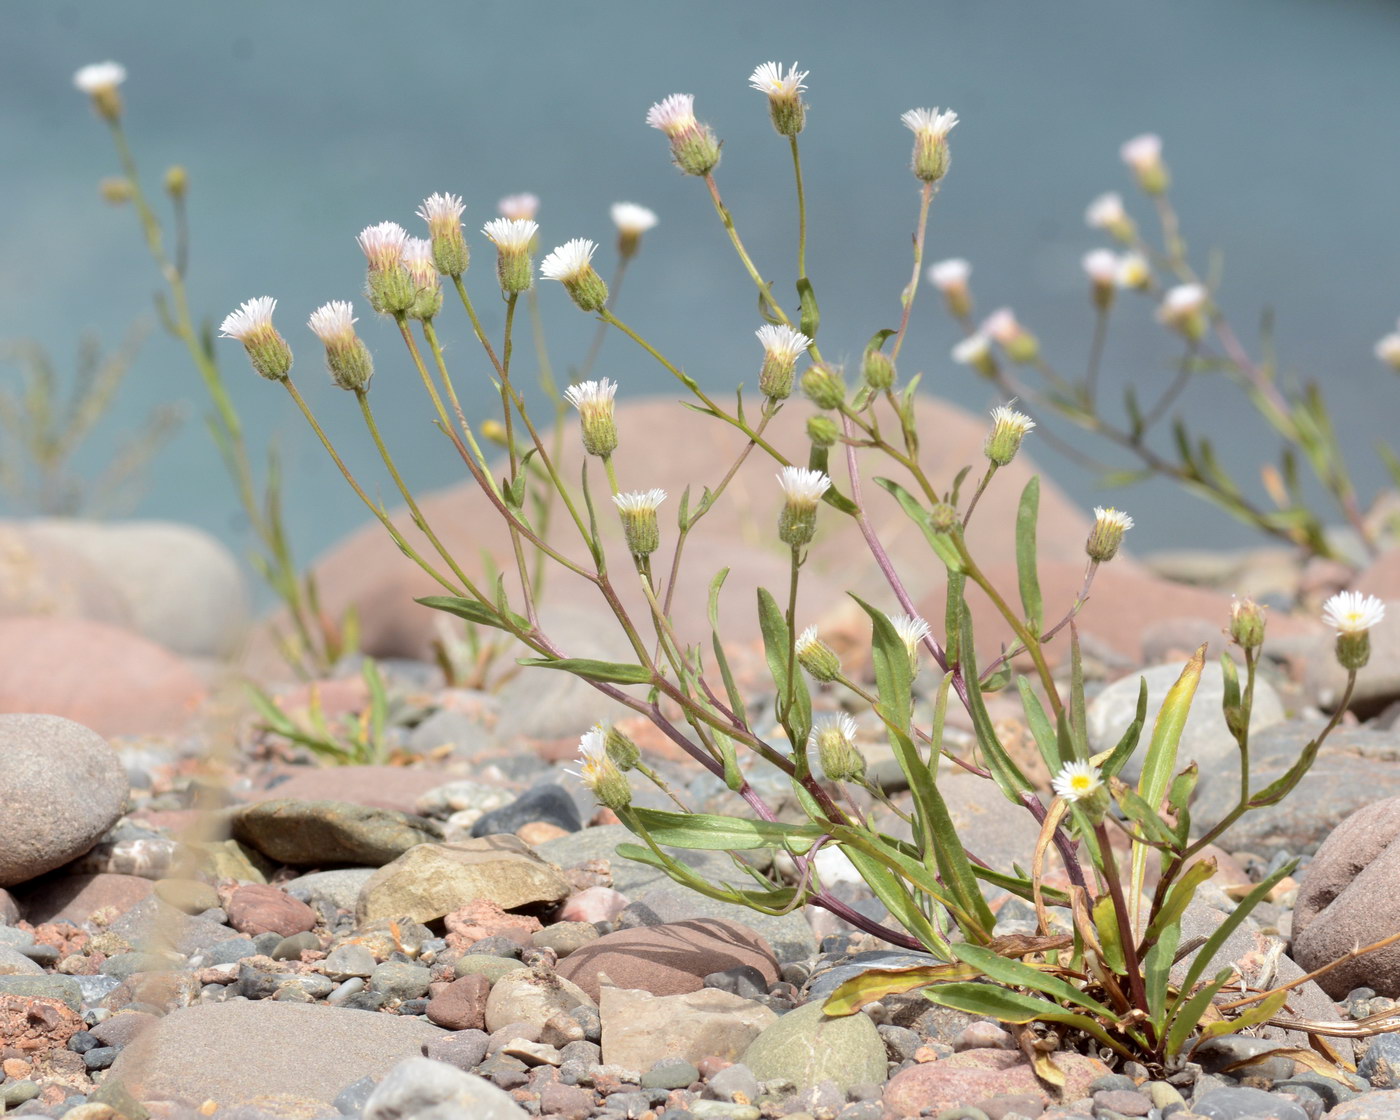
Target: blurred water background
[(300, 123)]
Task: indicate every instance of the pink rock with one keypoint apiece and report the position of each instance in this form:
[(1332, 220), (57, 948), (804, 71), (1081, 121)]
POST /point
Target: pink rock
[(668, 959), (568, 1102), (42, 577), (254, 908), (460, 1005), (383, 787), (594, 904), (482, 918), (975, 1075), (104, 678), (76, 898)]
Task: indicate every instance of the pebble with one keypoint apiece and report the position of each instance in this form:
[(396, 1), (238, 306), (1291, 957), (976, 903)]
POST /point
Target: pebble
[(549, 803)]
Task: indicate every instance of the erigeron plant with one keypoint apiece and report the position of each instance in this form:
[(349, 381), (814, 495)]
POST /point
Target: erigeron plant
[(1099, 966)]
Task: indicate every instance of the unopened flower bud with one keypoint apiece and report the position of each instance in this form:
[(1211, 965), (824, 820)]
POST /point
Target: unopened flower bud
[(1246, 623), (802, 490), (639, 526), (950, 277), (1107, 534), (423, 271), (1183, 309), (822, 431), (784, 92), (443, 213), (1106, 213), (495, 431), (116, 189), (877, 369), (1388, 350), (177, 181), (1143, 155), (818, 658), (620, 748), (594, 401), (825, 386), (1009, 428), (572, 265), (1103, 268), (391, 290), (512, 238), (1018, 343), (632, 221), (912, 631), (252, 325), (834, 738), (347, 358), (1352, 615), (943, 517), (930, 128), (100, 81), (600, 773), (782, 346), (976, 351), (694, 148)]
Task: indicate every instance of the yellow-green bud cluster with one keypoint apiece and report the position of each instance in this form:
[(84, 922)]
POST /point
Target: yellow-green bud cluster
[(834, 739), (822, 431), (943, 517), (694, 148), (877, 369), (347, 358), (1107, 534), (443, 213), (116, 190), (1009, 428), (815, 656), (600, 773), (513, 238), (621, 749), (784, 91), (1247, 623), (639, 527), (802, 491), (251, 325), (594, 401), (571, 264), (824, 386), (177, 181), (930, 127), (782, 346)]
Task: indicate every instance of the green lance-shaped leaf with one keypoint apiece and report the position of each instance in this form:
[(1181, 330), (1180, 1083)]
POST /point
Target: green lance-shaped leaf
[(798, 720), (1007, 774), (953, 610), (1046, 741), (1125, 746), (877, 983), (1026, 569), (1251, 1016), (1142, 814), (736, 698), (774, 901), (473, 611), (1110, 936), (941, 543), (612, 672), (1277, 790), (1018, 974), (1016, 1007), (1187, 1014), (1178, 898), (712, 832), (894, 676), (1232, 922), (1156, 971)]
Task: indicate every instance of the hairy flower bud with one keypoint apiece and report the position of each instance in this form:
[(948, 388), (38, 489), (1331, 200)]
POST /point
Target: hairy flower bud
[(824, 386), (177, 181), (912, 631), (1247, 623), (1106, 213), (594, 401), (976, 351), (834, 737), (512, 238), (632, 221), (1009, 428), (600, 773), (572, 265), (252, 325), (818, 658), (443, 213), (930, 127), (1002, 326), (639, 528), (694, 148), (822, 431), (390, 288), (347, 358), (877, 368), (1352, 615), (802, 490), (784, 91), (1183, 309), (1107, 534), (418, 258)]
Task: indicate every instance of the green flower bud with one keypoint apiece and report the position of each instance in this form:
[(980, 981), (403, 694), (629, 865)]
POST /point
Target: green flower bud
[(1107, 534), (824, 386), (594, 401), (822, 431), (1247, 623), (621, 749), (443, 213), (600, 773), (347, 358), (251, 325), (818, 658), (878, 370), (694, 148), (930, 128), (1009, 428), (784, 92), (639, 528), (513, 238), (571, 265), (834, 740)]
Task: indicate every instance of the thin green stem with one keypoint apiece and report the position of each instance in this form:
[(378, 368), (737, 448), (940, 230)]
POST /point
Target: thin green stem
[(801, 211), (906, 299)]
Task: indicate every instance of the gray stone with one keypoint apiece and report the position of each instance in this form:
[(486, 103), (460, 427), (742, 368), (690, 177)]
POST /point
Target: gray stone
[(339, 888), (466, 736), (1380, 1065), (399, 980), (345, 961), (315, 833), (547, 802), (463, 1049), (523, 996), (670, 1073), (65, 988), (422, 1089), (1354, 768), (1244, 1103), (239, 1051), (1206, 739), (61, 788), (806, 1047), (15, 963), (640, 1029), (432, 880)]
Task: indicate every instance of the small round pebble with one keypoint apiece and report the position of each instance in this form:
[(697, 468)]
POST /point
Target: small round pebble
[(100, 1057), (670, 1073)]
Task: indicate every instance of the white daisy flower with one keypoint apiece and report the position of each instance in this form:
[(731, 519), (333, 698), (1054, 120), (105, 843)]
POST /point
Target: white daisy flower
[(333, 322), (511, 234), (251, 318), (1142, 153), (383, 245), (929, 123), (1351, 612), (99, 76), (592, 396), (673, 115), (1103, 267), (782, 343), (802, 487), (442, 210), (912, 630), (632, 219), (1077, 781), (769, 78), (640, 501), (974, 350), (569, 261), (1106, 212), (519, 207)]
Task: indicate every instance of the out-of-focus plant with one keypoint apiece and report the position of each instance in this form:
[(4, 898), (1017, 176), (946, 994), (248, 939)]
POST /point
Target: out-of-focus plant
[(1185, 300), (44, 423), (1099, 966), (359, 741)]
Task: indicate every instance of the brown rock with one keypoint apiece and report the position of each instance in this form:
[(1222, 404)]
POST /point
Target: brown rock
[(669, 959), (34, 1024), (368, 571), (461, 1005), (975, 1075), (254, 908), (104, 678), (76, 898), (482, 918), (568, 1102)]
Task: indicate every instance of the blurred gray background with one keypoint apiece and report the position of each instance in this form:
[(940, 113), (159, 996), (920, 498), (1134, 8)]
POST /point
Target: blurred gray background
[(301, 123)]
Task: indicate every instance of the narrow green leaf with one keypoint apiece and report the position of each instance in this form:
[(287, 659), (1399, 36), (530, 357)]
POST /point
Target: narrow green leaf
[(1026, 570), (878, 983), (1178, 898), (953, 610), (736, 698), (614, 672), (1078, 721), (810, 316), (1232, 922), (1038, 722), (894, 676), (941, 543), (711, 832), (1125, 746), (1018, 974), (798, 722), (469, 609), (1251, 1016), (1187, 1014), (1015, 1007), (1007, 774), (1106, 923), (1142, 814), (1156, 968)]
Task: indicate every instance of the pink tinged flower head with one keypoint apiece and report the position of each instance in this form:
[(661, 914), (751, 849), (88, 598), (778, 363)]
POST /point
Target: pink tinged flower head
[(418, 259), (1351, 612), (521, 207), (251, 325), (511, 235), (632, 219), (253, 317), (1142, 152), (99, 76), (383, 245), (347, 358), (569, 261), (674, 115), (1102, 266), (1106, 212), (974, 350), (768, 77), (442, 212), (931, 123), (333, 323), (949, 275)]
